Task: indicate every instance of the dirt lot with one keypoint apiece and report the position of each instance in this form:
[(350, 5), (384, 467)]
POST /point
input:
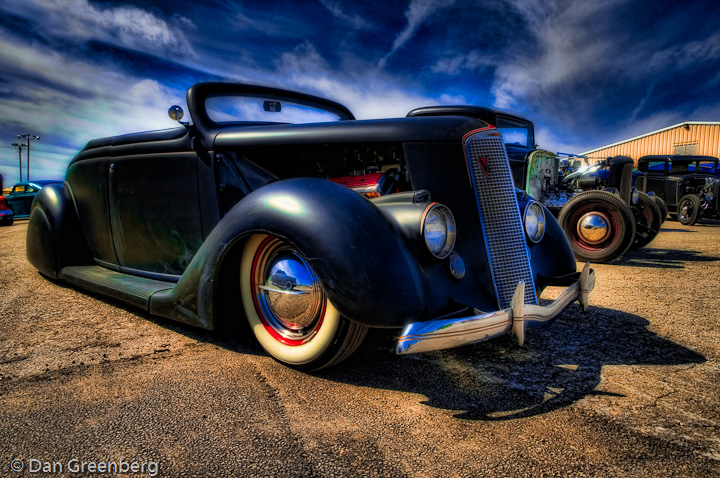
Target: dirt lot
[(628, 389)]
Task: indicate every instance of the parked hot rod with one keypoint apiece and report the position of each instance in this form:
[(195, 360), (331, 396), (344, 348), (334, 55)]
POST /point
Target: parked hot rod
[(411, 223), (688, 184), (603, 217)]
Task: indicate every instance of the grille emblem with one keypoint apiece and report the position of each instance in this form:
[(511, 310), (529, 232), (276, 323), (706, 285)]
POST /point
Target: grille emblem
[(483, 162)]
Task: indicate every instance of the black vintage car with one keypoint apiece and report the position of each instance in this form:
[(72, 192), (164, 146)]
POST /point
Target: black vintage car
[(409, 223), (689, 184)]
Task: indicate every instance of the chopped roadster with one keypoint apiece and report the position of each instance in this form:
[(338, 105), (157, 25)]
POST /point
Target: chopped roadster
[(281, 209), (688, 184)]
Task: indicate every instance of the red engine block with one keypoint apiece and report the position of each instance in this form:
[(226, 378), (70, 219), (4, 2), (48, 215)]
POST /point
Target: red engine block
[(369, 185)]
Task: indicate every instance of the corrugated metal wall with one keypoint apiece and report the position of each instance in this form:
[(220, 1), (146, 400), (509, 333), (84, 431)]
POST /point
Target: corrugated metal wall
[(707, 137)]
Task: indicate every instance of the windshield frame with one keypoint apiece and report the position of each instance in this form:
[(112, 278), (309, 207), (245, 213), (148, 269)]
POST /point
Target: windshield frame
[(506, 123)]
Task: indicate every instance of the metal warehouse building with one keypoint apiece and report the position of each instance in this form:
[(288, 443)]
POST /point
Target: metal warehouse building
[(700, 138)]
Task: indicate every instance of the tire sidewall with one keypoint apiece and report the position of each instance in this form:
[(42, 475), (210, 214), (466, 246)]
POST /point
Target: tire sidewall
[(693, 218), (294, 355), (662, 206), (648, 214), (623, 225)]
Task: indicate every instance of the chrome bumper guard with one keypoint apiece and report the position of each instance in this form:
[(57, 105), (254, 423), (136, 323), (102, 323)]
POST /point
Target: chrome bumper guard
[(449, 333)]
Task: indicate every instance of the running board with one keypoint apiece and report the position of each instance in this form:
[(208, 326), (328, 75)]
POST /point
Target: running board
[(131, 289)]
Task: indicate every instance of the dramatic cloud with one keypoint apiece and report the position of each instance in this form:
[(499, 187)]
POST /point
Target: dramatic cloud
[(587, 73), (567, 46), (70, 101), (124, 25)]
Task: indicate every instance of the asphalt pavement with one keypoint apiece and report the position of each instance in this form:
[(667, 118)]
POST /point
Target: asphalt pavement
[(91, 387)]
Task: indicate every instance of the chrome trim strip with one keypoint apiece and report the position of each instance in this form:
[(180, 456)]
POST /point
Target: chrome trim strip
[(450, 333)]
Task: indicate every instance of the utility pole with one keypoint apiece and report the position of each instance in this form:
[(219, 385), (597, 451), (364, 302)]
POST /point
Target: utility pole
[(29, 138), (19, 147)]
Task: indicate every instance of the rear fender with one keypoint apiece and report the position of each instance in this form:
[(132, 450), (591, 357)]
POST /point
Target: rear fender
[(54, 237), (364, 263)]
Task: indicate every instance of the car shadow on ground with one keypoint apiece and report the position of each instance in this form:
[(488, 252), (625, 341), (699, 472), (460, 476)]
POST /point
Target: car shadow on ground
[(493, 380), (497, 380), (662, 258)]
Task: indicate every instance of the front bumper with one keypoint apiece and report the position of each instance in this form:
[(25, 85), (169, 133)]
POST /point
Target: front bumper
[(448, 333)]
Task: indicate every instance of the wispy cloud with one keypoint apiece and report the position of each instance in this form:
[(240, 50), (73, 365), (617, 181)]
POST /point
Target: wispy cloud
[(367, 92), (416, 13), (568, 46), (353, 19), (641, 104), (469, 61), (586, 62), (124, 25), (68, 101)]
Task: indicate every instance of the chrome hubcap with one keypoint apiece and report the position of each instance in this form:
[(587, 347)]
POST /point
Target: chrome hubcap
[(686, 210), (288, 294), (593, 228)]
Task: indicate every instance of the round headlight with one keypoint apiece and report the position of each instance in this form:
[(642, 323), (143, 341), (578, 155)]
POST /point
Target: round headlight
[(635, 196), (534, 220), (438, 229)]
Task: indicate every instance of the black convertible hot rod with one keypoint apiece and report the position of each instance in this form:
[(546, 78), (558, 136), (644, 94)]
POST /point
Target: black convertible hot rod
[(411, 223)]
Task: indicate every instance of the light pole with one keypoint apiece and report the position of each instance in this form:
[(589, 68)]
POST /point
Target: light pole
[(19, 147), (29, 137)]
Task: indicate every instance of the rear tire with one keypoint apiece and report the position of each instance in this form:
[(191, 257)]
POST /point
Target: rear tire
[(298, 327), (599, 225), (647, 221), (688, 210), (662, 206)]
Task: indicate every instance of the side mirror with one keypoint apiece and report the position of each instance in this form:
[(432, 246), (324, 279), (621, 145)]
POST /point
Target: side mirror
[(176, 113)]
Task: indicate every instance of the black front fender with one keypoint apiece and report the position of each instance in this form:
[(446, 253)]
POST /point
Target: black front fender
[(553, 255), (364, 263)]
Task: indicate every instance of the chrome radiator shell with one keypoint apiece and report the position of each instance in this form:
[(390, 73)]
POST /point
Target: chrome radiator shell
[(503, 231)]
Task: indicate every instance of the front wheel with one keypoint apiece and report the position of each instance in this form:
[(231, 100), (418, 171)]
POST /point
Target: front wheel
[(599, 225), (689, 210), (297, 326)]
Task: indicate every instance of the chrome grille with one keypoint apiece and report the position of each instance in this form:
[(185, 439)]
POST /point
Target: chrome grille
[(499, 215)]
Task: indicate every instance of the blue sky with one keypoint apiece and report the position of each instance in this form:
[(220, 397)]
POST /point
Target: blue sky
[(587, 73)]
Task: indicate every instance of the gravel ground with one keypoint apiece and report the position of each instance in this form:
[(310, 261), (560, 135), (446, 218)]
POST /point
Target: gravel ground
[(629, 388)]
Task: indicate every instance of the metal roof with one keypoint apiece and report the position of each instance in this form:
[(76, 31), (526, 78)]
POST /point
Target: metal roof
[(688, 123)]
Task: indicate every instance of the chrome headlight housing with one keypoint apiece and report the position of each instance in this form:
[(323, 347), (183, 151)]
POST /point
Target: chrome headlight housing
[(534, 221), (438, 230), (634, 196)]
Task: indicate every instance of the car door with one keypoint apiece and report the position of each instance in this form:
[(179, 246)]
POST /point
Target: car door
[(154, 206), (30, 193), (16, 200)]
